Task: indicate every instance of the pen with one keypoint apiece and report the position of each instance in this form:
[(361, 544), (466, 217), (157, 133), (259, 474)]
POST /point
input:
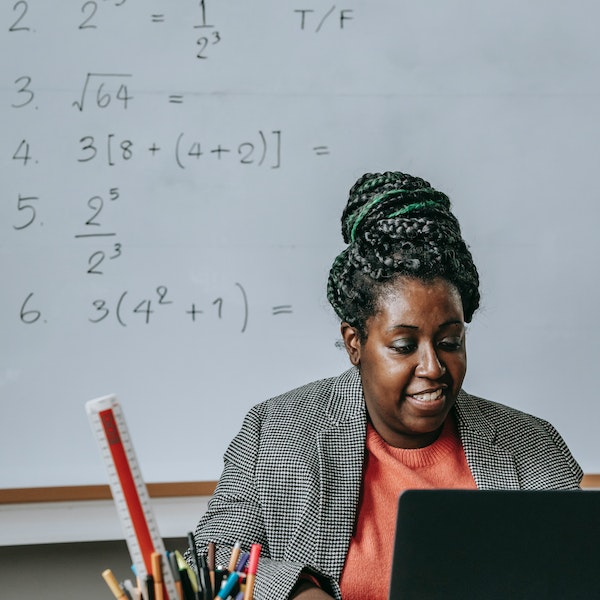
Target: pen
[(252, 568), (196, 562), (113, 584), (235, 552), (228, 586), (156, 559), (150, 587), (205, 578)]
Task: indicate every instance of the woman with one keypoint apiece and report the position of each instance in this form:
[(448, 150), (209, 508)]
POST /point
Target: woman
[(314, 475)]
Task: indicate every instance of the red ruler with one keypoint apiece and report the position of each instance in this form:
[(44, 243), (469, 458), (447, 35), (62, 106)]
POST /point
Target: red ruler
[(128, 488)]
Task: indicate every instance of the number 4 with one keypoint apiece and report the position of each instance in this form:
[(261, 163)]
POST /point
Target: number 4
[(22, 152)]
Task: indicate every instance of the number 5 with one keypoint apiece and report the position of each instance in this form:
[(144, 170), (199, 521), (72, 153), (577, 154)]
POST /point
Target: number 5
[(23, 203)]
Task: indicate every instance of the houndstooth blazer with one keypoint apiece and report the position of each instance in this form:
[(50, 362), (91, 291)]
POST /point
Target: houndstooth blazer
[(292, 475)]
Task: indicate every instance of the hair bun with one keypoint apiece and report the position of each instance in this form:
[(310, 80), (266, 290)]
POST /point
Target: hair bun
[(377, 196), (397, 225)]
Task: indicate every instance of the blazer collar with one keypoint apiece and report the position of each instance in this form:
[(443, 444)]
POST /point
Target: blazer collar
[(346, 401)]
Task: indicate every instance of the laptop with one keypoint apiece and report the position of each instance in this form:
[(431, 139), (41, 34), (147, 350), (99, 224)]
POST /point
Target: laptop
[(488, 545)]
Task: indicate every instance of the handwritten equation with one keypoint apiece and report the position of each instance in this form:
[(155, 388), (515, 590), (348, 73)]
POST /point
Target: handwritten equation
[(127, 308), (91, 15)]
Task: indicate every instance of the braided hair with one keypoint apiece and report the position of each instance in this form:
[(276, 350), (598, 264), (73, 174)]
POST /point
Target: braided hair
[(397, 225)]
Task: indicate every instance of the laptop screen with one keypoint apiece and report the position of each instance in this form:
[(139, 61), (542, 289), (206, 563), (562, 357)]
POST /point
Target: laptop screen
[(463, 544)]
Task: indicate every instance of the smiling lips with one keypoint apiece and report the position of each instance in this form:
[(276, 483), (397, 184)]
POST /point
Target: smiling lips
[(428, 396)]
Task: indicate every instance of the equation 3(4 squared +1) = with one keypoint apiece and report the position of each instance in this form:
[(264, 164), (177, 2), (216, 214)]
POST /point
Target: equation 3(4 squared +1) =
[(128, 309)]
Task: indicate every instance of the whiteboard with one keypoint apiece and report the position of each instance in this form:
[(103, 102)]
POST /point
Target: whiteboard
[(173, 177)]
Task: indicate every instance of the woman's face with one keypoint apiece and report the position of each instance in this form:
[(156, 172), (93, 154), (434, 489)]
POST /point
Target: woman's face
[(414, 360)]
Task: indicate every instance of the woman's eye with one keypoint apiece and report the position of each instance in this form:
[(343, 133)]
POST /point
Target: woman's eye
[(404, 348), (451, 344)]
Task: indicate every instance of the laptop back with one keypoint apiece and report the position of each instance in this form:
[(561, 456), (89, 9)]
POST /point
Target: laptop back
[(459, 544)]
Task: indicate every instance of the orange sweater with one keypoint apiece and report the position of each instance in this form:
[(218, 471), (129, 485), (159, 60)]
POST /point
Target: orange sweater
[(389, 471)]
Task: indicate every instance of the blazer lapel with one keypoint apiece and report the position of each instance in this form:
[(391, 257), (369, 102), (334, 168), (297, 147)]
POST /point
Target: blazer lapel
[(324, 533), (492, 467), (341, 449)]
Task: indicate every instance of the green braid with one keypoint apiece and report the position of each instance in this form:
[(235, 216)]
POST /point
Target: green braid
[(410, 207), (387, 196)]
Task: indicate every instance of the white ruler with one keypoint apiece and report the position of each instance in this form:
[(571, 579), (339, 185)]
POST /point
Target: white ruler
[(128, 489)]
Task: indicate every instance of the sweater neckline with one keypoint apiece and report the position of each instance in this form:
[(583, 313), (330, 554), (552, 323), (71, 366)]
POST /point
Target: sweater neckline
[(447, 442)]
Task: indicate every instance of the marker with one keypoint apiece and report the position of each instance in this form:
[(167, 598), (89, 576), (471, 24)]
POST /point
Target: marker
[(176, 576), (191, 576), (252, 568), (235, 552), (186, 585), (228, 586), (220, 573), (113, 584), (157, 575)]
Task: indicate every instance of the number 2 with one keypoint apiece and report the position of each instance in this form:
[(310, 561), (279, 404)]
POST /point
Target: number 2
[(23, 7)]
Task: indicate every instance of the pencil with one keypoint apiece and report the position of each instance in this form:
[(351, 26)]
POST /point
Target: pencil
[(134, 593), (212, 547), (235, 552), (113, 584), (157, 575), (241, 563)]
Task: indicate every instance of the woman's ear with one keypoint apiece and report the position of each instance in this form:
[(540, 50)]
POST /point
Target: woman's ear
[(352, 343)]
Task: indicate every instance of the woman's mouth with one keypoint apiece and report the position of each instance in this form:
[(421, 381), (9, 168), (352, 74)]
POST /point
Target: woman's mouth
[(428, 396), (428, 402)]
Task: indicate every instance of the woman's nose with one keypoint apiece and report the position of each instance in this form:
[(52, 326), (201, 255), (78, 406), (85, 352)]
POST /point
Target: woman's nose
[(430, 366)]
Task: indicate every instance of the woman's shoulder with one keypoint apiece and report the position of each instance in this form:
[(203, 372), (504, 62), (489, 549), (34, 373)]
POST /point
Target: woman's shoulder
[(302, 412), (513, 429), (476, 410), (320, 396), (535, 444)]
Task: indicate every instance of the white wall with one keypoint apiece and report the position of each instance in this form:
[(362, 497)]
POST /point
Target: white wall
[(495, 104)]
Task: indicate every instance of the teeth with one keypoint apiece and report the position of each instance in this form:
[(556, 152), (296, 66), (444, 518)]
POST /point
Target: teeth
[(429, 395)]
